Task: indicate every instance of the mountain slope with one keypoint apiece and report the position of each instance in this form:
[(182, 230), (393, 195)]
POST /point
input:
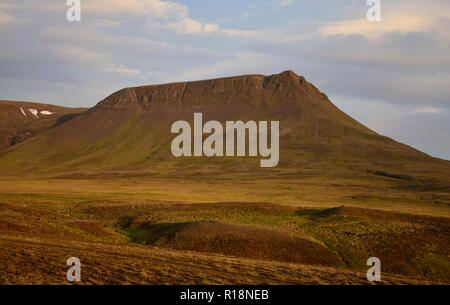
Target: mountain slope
[(22, 120), (129, 133)]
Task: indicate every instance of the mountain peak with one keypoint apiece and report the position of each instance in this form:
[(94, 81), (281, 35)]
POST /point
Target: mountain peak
[(289, 73), (287, 76)]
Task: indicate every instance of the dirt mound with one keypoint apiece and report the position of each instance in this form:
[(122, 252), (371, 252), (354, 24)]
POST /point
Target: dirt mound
[(231, 239)]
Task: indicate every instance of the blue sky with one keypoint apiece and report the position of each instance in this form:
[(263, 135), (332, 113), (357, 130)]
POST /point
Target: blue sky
[(392, 75)]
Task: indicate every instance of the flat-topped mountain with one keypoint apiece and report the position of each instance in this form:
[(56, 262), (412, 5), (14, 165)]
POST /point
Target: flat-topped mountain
[(257, 90), (129, 133), (285, 95)]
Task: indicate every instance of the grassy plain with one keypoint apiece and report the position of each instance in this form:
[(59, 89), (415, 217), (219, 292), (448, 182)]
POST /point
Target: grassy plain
[(172, 231)]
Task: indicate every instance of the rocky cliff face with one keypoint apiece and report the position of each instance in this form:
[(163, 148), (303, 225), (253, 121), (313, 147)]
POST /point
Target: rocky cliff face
[(256, 90)]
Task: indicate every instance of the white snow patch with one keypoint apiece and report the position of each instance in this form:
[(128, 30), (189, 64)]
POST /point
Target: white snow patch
[(46, 112), (23, 111), (34, 112)]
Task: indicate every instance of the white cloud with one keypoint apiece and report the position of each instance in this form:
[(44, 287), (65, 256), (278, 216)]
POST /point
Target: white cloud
[(256, 35), (390, 23), (122, 70), (191, 26), (154, 8), (159, 14), (401, 16), (431, 110)]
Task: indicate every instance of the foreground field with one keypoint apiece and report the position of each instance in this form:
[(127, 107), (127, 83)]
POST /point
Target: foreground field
[(43, 262), (185, 231)]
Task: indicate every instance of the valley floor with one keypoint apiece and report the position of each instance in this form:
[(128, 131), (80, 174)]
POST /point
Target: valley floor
[(168, 231)]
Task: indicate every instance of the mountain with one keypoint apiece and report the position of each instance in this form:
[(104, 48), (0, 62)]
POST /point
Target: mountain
[(22, 120), (128, 133)]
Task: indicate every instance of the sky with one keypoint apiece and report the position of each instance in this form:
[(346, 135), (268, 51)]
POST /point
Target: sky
[(392, 75)]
